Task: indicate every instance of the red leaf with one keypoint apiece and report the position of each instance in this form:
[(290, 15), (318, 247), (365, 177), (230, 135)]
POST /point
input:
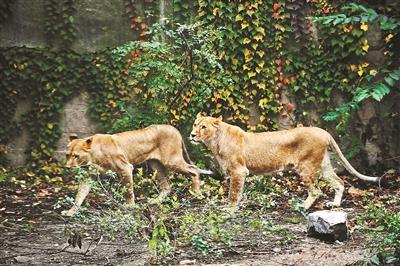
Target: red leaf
[(275, 6), (143, 26), (290, 107)]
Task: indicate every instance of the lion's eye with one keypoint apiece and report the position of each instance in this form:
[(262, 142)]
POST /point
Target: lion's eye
[(76, 156), (202, 127), (67, 155)]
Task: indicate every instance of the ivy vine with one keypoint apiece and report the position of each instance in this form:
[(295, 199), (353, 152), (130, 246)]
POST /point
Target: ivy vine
[(233, 56)]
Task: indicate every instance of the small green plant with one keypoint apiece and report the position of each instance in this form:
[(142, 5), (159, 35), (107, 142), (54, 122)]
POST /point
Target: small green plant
[(383, 227), (261, 190), (159, 243), (200, 244)]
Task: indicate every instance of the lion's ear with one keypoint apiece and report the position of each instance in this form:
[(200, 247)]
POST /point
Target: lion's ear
[(72, 137), (217, 120), (200, 114), (88, 143)]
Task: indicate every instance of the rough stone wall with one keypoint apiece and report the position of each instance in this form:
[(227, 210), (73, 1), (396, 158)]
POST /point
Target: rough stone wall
[(74, 121), (100, 24)]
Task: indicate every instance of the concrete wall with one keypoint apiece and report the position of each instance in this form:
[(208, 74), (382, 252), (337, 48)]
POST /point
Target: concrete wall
[(100, 24), (74, 121)]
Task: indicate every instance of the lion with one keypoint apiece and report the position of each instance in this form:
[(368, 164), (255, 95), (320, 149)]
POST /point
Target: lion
[(160, 146), (240, 153)]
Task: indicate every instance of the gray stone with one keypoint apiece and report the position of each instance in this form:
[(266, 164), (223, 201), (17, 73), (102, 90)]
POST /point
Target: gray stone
[(327, 225)]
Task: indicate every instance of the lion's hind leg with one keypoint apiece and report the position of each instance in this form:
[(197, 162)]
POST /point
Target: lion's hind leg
[(336, 183), (162, 180), (181, 166), (310, 176)]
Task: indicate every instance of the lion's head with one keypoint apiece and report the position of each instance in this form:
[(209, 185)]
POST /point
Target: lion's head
[(204, 128), (78, 151)]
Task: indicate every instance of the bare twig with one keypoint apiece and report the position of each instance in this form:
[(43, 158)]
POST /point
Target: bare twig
[(99, 239)]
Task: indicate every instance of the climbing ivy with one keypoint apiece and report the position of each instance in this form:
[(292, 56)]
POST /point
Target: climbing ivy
[(59, 23), (45, 80), (234, 57)]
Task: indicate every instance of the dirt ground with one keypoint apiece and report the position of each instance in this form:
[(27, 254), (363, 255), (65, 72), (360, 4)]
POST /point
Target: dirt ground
[(33, 233)]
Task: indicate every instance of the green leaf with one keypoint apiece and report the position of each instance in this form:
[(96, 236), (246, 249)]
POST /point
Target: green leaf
[(395, 75), (380, 91), (375, 260), (389, 81)]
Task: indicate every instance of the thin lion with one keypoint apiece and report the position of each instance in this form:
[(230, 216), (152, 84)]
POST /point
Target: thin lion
[(240, 153), (161, 146)]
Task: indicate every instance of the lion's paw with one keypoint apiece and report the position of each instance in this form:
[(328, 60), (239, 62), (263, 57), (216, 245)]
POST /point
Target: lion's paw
[(69, 213), (332, 205), (230, 211)]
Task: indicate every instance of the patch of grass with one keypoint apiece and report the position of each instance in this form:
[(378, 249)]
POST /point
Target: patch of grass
[(182, 220), (383, 228)]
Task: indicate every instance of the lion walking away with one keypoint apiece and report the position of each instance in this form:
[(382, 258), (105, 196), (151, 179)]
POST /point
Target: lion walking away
[(161, 146), (240, 153)]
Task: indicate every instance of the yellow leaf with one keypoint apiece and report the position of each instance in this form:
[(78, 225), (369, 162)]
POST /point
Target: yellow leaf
[(238, 17), (235, 61), (254, 45), (248, 58), (50, 126), (389, 37), (145, 73), (365, 64), (246, 67), (258, 70), (261, 63), (258, 37), (245, 24), (247, 52), (364, 26), (260, 53), (261, 86), (261, 30), (365, 45), (373, 72), (251, 74), (215, 11), (360, 72), (253, 81), (201, 13), (353, 67), (246, 40), (255, 5)]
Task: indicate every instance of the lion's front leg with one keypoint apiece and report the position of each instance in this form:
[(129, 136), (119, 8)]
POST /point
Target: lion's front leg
[(127, 182), (83, 191), (237, 178)]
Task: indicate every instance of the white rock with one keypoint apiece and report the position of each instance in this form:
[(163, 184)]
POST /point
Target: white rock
[(328, 225)]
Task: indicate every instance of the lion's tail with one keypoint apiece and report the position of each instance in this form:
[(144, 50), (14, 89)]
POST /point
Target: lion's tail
[(210, 173), (186, 154), (335, 147)]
